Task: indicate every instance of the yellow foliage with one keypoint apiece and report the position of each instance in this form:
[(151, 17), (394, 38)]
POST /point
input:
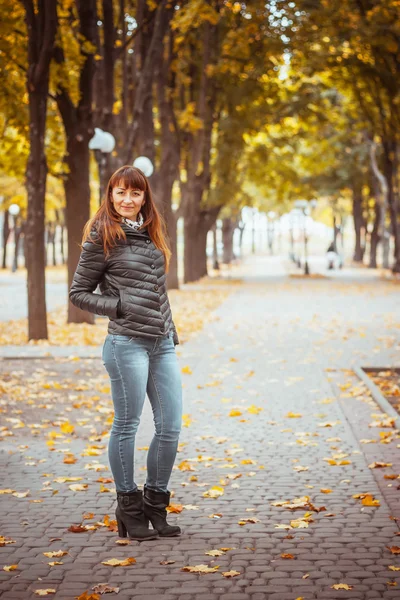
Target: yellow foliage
[(193, 15), (187, 119)]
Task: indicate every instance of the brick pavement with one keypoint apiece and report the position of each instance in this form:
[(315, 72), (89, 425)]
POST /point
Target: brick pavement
[(280, 345)]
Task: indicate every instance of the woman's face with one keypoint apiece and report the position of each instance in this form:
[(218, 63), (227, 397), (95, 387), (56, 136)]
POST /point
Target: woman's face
[(127, 202)]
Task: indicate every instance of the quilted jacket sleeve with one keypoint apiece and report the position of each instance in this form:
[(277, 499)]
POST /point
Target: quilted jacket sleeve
[(88, 274)]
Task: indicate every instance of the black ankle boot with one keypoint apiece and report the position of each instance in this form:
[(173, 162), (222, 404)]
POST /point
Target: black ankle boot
[(130, 517), (155, 510)]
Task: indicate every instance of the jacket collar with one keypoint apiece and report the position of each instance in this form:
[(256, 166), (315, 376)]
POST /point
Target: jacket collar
[(135, 234)]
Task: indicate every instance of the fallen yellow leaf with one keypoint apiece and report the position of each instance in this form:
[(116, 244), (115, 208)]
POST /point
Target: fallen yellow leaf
[(235, 413), (200, 569), (116, 562)]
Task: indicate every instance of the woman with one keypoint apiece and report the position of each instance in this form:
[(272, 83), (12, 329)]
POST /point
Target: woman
[(124, 250)]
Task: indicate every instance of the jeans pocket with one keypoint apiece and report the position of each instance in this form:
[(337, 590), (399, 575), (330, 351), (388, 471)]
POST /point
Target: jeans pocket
[(121, 339), (106, 352)]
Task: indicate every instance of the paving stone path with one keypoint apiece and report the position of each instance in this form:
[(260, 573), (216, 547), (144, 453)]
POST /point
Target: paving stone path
[(281, 345)]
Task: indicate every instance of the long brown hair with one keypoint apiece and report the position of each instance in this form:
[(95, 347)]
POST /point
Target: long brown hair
[(107, 222)]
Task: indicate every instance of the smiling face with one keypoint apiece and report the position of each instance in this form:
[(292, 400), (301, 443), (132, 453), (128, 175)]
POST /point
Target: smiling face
[(127, 201)]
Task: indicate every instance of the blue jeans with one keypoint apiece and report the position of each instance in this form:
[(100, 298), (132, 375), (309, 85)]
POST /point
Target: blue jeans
[(136, 366)]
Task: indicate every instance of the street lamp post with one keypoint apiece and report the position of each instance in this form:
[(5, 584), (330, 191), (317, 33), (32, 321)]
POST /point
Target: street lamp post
[(294, 223), (253, 231), (271, 230), (305, 207), (103, 143)]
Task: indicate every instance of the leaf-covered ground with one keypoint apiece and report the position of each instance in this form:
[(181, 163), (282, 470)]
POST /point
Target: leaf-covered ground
[(191, 308), (287, 474)]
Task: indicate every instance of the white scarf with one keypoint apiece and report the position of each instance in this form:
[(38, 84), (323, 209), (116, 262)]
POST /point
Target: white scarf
[(134, 224)]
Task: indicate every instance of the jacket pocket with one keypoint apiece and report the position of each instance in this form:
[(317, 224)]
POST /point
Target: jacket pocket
[(122, 296)]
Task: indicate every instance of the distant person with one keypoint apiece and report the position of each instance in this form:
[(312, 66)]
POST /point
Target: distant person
[(124, 250), (334, 260)]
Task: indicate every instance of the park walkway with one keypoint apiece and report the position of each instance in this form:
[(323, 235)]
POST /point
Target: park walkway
[(274, 460)]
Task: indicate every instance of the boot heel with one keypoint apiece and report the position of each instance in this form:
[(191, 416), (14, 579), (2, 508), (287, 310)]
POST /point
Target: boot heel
[(122, 532)]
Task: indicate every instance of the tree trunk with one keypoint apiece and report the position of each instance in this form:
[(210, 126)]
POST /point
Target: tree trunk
[(171, 222), (60, 216), (199, 221), (375, 237), (241, 229), (78, 125), (386, 181), (144, 145), (54, 245), (253, 233), (36, 174), (196, 228), (104, 91), (215, 248), (6, 235), (163, 16), (77, 193), (270, 235), (389, 153), (104, 161), (41, 22), (168, 172), (336, 230), (49, 239), (195, 252), (228, 230), (108, 65), (359, 224), (62, 244)]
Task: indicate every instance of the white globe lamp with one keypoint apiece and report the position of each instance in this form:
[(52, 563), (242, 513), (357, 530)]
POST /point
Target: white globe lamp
[(144, 164)]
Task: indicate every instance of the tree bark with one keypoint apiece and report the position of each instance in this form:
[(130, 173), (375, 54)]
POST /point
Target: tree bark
[(104, 92), (41, 23), (108, 65), (144, 145), (77, 193), (195, 256), (60, 217), (6, 234), (228, 230), (196, 228), (168, 171), (215, 248), (336, 230), (78, 124), (198, 168), (51, 241), (389, 174), (386, 182), (375, 236), (172, 276), (359, 224), (241, 228), (143, 91)]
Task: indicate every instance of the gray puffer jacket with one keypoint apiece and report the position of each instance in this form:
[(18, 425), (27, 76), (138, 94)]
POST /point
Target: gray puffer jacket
[(132, 282)]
